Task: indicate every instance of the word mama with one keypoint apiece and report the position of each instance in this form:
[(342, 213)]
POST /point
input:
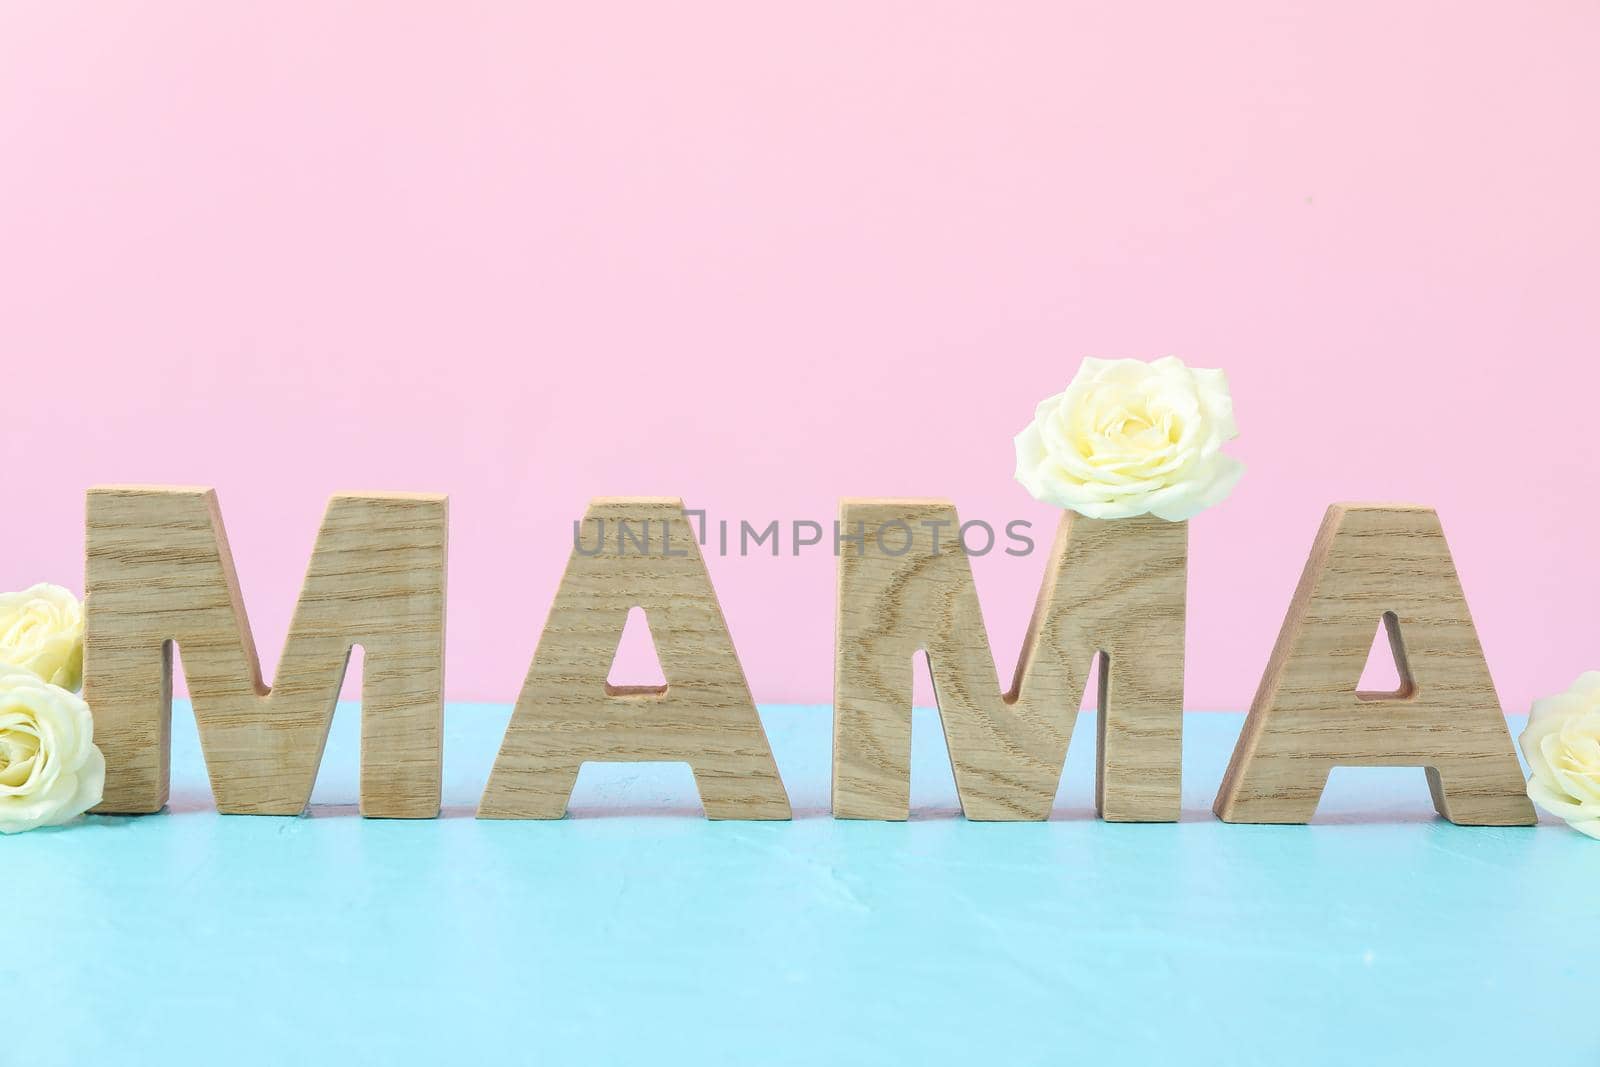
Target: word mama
[(159, 574)]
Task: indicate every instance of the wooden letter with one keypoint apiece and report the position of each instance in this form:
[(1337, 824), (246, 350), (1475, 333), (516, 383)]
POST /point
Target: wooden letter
[(1115, 588), (159, 572), (635, 552), (1384, 562)]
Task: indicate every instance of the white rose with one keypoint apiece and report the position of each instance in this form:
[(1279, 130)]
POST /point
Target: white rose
[(1131, 438), (1562, 746), (50, 770), (41, 630)]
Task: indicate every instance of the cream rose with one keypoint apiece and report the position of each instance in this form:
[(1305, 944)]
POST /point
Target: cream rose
[(41, 630), (1132, 438), (1562, 746), (50, 770)]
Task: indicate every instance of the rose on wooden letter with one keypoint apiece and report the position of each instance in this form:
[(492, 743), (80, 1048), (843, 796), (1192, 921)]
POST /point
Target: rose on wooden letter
[(1131, 438)]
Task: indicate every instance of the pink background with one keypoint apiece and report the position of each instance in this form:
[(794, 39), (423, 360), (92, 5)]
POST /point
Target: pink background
[(766, 255)]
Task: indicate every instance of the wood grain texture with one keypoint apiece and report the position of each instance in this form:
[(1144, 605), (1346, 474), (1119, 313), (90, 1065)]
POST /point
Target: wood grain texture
[(1385, 562), (1112, 588), (159, 571), (635, 552)]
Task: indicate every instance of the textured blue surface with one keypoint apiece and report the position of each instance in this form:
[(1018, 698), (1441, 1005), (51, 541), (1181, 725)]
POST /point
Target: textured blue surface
[(635, 931)]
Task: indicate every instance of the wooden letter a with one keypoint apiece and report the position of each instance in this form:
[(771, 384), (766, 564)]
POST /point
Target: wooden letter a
[(635, 552), (1370, 563)]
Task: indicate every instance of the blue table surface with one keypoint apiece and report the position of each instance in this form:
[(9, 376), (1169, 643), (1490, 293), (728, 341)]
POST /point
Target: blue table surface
[(635, 931)]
